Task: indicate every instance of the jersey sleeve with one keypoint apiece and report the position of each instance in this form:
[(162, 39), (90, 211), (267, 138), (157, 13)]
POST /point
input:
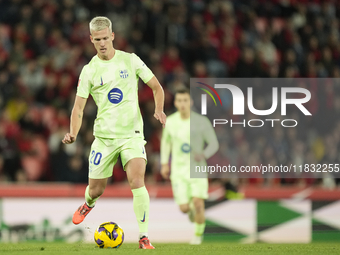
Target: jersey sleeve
[(84, 84), (210, 138), (141, 69), (165, 146)]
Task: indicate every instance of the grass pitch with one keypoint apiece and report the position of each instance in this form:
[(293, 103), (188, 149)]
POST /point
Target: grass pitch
[(161, 248)]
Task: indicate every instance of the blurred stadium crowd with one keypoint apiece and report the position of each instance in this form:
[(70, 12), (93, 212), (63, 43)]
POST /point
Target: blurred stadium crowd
[(44, 45)]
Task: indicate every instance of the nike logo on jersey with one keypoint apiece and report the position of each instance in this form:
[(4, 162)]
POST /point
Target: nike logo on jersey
[(143, 218), (101, 79)]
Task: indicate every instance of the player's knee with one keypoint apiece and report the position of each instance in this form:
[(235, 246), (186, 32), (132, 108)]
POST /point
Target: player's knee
[(184, 208), (199, 209), (199, 205), (136, 183), (96, 192)]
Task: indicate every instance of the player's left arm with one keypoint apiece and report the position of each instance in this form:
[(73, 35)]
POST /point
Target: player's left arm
[(158, 95), (210, 138)]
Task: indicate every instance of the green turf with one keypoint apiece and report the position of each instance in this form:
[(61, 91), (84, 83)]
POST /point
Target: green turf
[(210, 248)]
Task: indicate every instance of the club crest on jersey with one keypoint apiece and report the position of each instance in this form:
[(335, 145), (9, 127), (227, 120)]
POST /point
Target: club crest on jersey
[(115, 96), (123, 74)]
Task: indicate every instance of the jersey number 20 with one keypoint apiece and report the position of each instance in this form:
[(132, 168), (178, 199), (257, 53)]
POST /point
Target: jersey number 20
[(97, 157)]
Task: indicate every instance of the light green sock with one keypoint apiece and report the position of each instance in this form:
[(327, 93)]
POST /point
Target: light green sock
[(199, 229), (90, 201), (141, 203)]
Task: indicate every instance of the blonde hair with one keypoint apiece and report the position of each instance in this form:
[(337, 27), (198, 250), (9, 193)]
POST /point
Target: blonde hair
[(99, 23)]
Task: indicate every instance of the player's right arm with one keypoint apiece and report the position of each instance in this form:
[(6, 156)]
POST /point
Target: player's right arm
[(83, 91), (165, 153), (165, 171), (76, 120), (210, 138)]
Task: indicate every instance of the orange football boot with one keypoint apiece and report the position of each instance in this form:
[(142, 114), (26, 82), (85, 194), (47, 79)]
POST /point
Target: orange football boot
[(81, 213), (144, 243)]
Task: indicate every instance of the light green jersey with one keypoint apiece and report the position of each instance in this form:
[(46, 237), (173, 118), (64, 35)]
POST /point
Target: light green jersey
[(176, 140), (113, 85)]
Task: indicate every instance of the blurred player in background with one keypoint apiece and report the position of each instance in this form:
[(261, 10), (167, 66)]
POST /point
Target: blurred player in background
[(111, 77), (189, 193)]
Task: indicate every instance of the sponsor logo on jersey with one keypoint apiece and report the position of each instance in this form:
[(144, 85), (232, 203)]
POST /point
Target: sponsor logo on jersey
[(185, 148), (115, 95), (123, 74)]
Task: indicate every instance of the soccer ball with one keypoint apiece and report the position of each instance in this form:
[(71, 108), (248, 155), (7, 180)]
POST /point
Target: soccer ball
[(109, 235)]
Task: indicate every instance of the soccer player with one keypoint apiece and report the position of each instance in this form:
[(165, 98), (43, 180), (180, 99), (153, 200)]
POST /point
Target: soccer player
[(111, 77), (189, 193)]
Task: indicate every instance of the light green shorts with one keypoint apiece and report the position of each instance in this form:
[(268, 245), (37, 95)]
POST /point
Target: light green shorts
[(184, 189), (104, 154)]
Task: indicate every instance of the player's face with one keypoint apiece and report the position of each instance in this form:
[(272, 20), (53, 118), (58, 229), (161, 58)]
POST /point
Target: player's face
[(102, 41), (182, 102)]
